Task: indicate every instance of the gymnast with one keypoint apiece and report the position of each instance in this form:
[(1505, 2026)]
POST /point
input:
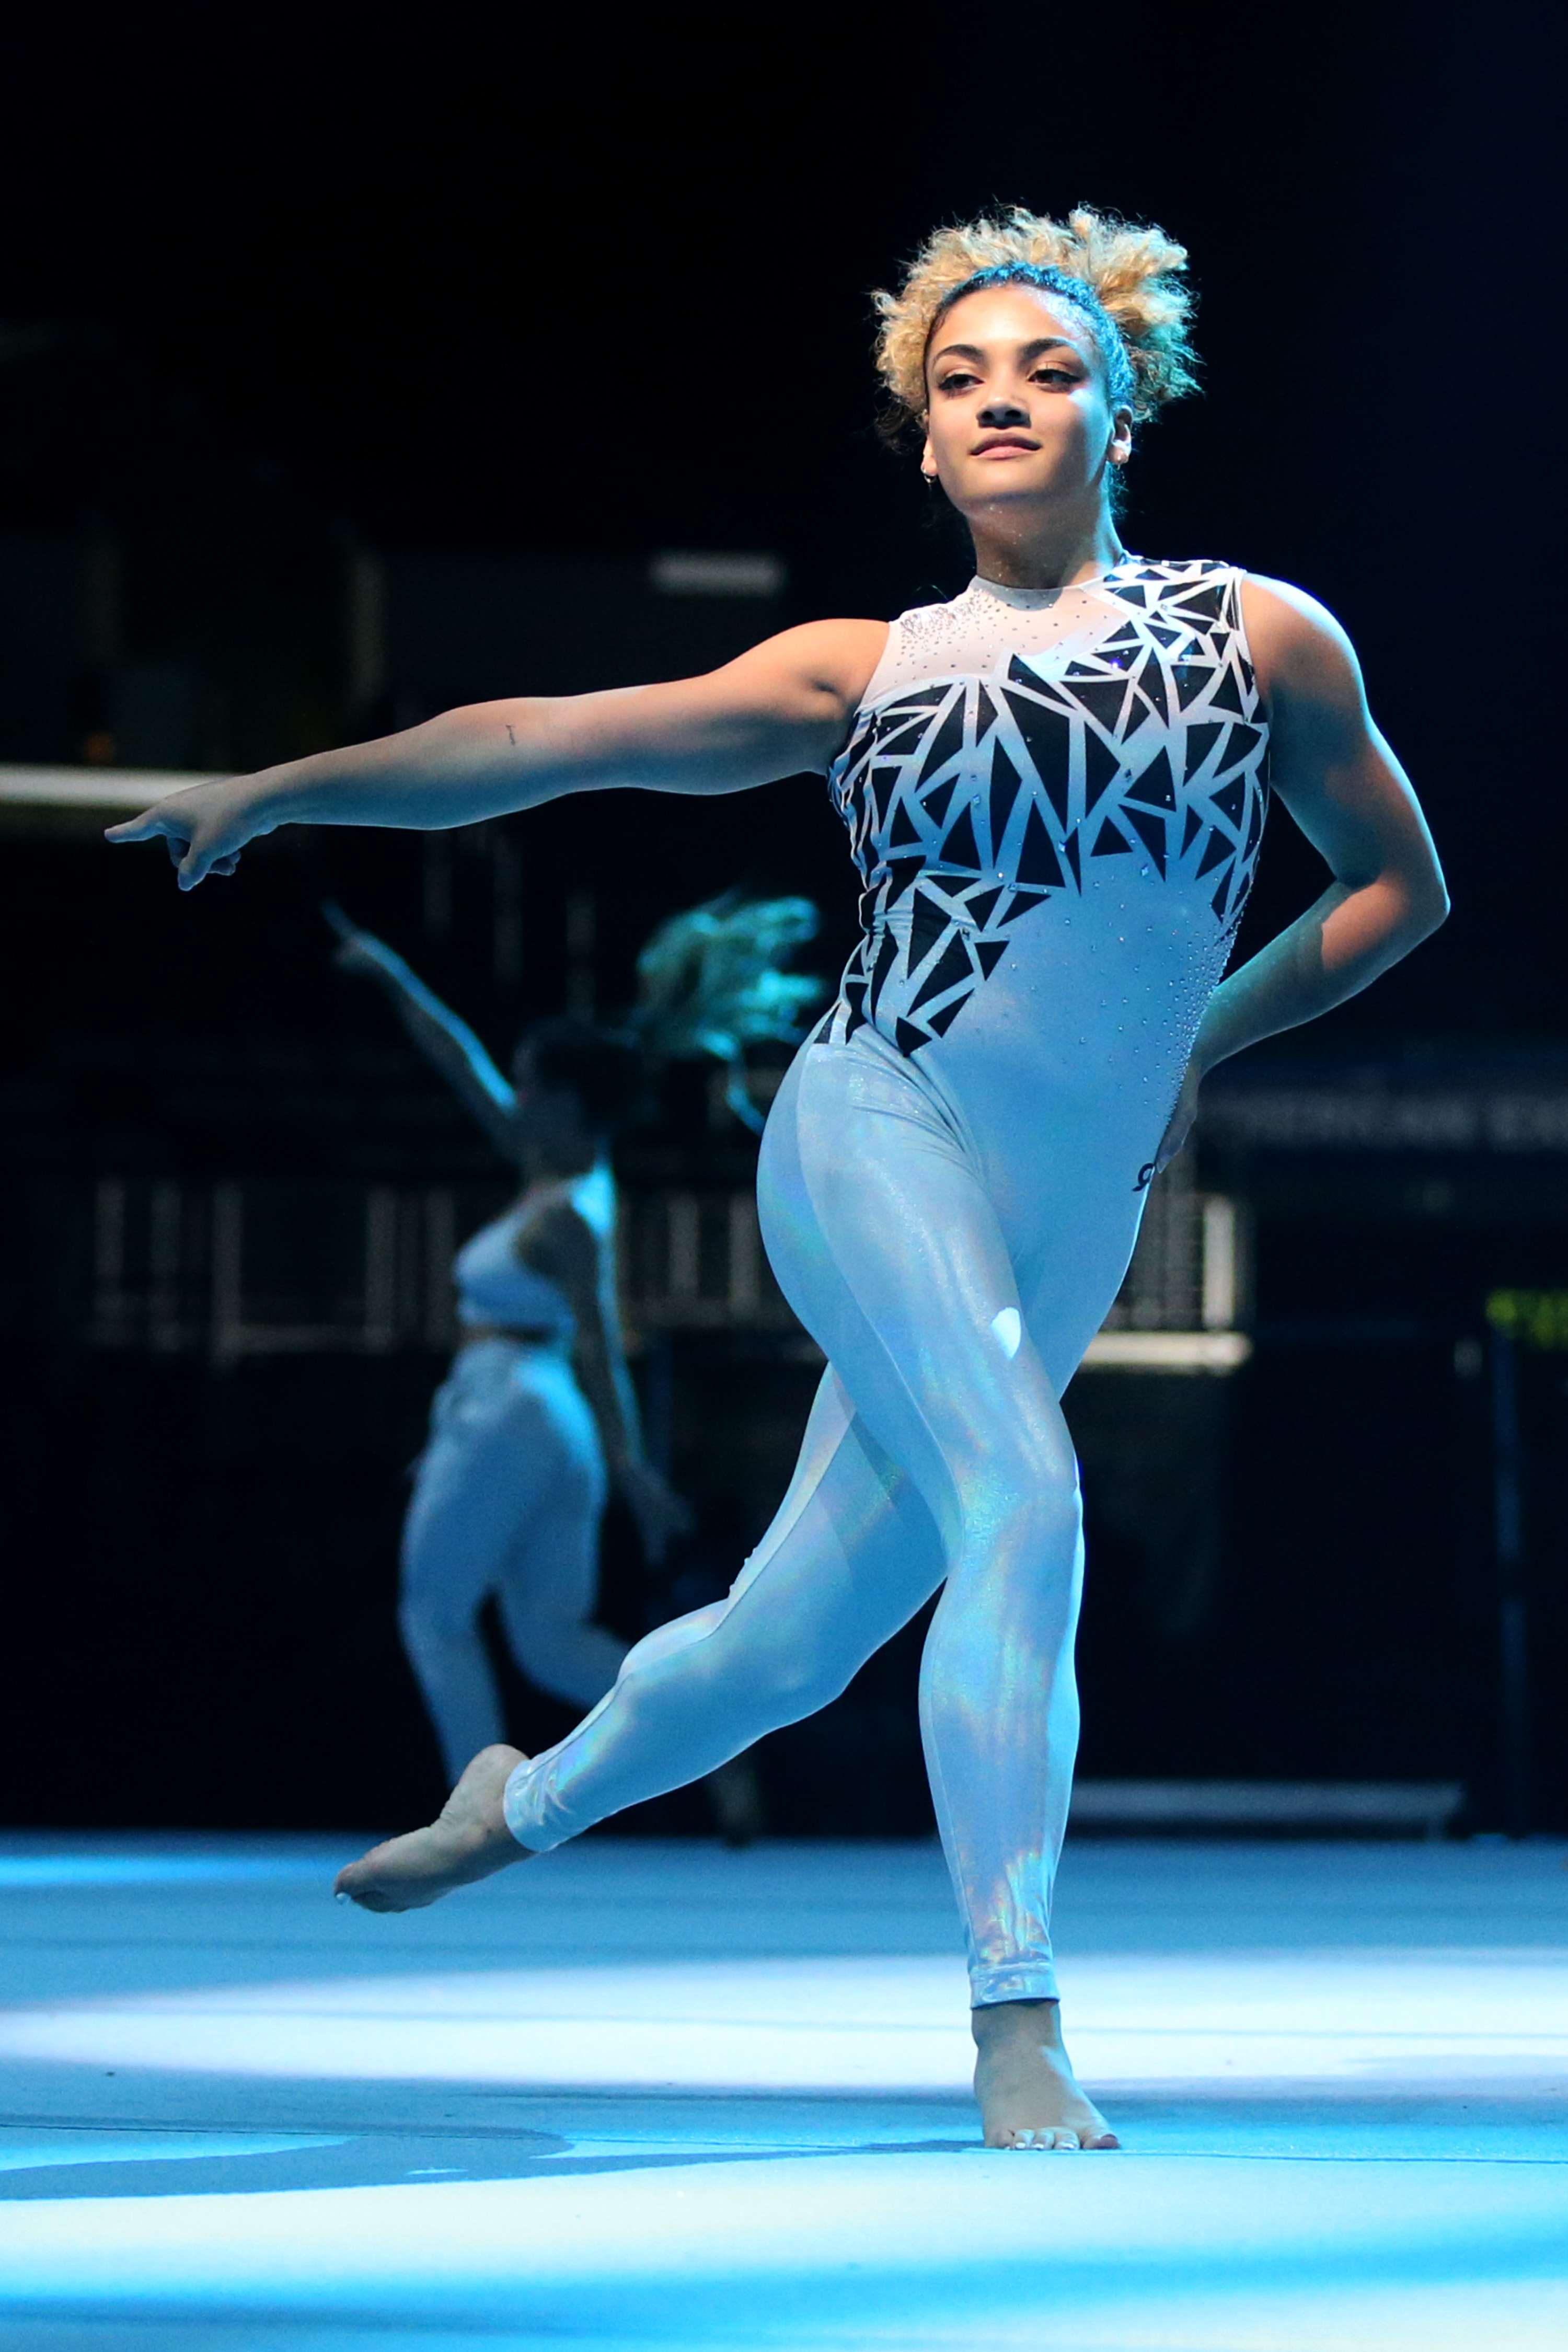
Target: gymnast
[(537, 1415), (1055, 788)]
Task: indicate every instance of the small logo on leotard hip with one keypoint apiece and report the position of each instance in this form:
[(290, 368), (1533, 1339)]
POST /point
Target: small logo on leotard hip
[(1145, 1176)]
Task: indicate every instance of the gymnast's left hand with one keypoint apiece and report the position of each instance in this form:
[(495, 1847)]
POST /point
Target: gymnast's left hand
[(1180, 1124), (205, 826)]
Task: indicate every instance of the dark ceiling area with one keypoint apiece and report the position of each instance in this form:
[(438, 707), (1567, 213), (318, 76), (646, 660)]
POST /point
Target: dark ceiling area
[(519, 283)]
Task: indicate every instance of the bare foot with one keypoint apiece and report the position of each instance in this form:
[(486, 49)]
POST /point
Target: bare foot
[(1025, 2084), (468, 1840)]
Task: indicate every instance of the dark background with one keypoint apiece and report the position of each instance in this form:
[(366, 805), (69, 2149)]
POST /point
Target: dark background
[(283, 291)]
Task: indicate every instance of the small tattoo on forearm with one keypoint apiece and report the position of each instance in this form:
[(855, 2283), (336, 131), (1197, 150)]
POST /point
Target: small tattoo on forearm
[(512, 732)]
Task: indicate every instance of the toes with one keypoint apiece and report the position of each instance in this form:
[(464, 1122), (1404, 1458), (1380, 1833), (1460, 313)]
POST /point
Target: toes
[(355, 1883), (361, 1891), (1049, 2136)]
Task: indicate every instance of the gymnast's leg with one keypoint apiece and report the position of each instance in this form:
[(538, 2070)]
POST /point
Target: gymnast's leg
[(889, 1250), (851, 1555), (548, 1582), (469, 1495), (931, 1344)]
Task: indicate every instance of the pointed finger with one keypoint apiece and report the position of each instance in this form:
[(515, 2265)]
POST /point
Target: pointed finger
[(145, 827)]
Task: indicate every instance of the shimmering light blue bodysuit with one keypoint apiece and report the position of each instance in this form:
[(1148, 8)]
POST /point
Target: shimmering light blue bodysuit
[(1055, 801), (509, 1495)]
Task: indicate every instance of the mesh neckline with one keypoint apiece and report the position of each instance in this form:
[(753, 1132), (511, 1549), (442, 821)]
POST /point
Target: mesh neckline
[(1030, 600)]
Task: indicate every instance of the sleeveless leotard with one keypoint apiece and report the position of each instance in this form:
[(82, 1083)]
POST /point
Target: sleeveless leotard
[(496, 1287), (1055, 801)]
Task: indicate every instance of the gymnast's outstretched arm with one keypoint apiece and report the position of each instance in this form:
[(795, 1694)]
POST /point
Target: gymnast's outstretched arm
[(445, 1041), (778, 710), (1347, 792)]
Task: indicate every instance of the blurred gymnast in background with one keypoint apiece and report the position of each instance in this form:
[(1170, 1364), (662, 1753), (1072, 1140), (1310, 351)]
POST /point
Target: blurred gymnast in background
[(538, 1416)]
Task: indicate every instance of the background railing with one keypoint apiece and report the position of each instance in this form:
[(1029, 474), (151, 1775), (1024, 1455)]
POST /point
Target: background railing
[(286, 1267)]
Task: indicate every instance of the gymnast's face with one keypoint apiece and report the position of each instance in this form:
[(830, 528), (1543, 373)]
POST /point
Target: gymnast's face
[(1018, 417)]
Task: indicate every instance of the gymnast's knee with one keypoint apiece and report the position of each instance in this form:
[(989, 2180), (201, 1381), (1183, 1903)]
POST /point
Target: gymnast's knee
[(761, 1685), (1025, 1491), (429, 1625), (789, 1689)]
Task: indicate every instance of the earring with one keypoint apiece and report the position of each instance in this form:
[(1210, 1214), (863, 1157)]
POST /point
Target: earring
[(928, 479)]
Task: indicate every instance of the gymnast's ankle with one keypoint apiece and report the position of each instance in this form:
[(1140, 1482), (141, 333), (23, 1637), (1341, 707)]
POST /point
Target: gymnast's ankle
[(1029, 2097)]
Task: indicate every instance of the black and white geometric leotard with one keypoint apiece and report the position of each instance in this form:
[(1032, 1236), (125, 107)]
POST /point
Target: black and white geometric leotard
[(1012, 739), (1055, 801)]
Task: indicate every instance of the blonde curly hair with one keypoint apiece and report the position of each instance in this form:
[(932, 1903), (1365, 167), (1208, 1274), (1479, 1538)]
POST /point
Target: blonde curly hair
[(1126, 282)]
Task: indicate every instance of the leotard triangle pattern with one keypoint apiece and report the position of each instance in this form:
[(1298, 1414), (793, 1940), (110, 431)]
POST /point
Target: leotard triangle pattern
[(980, 795)]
